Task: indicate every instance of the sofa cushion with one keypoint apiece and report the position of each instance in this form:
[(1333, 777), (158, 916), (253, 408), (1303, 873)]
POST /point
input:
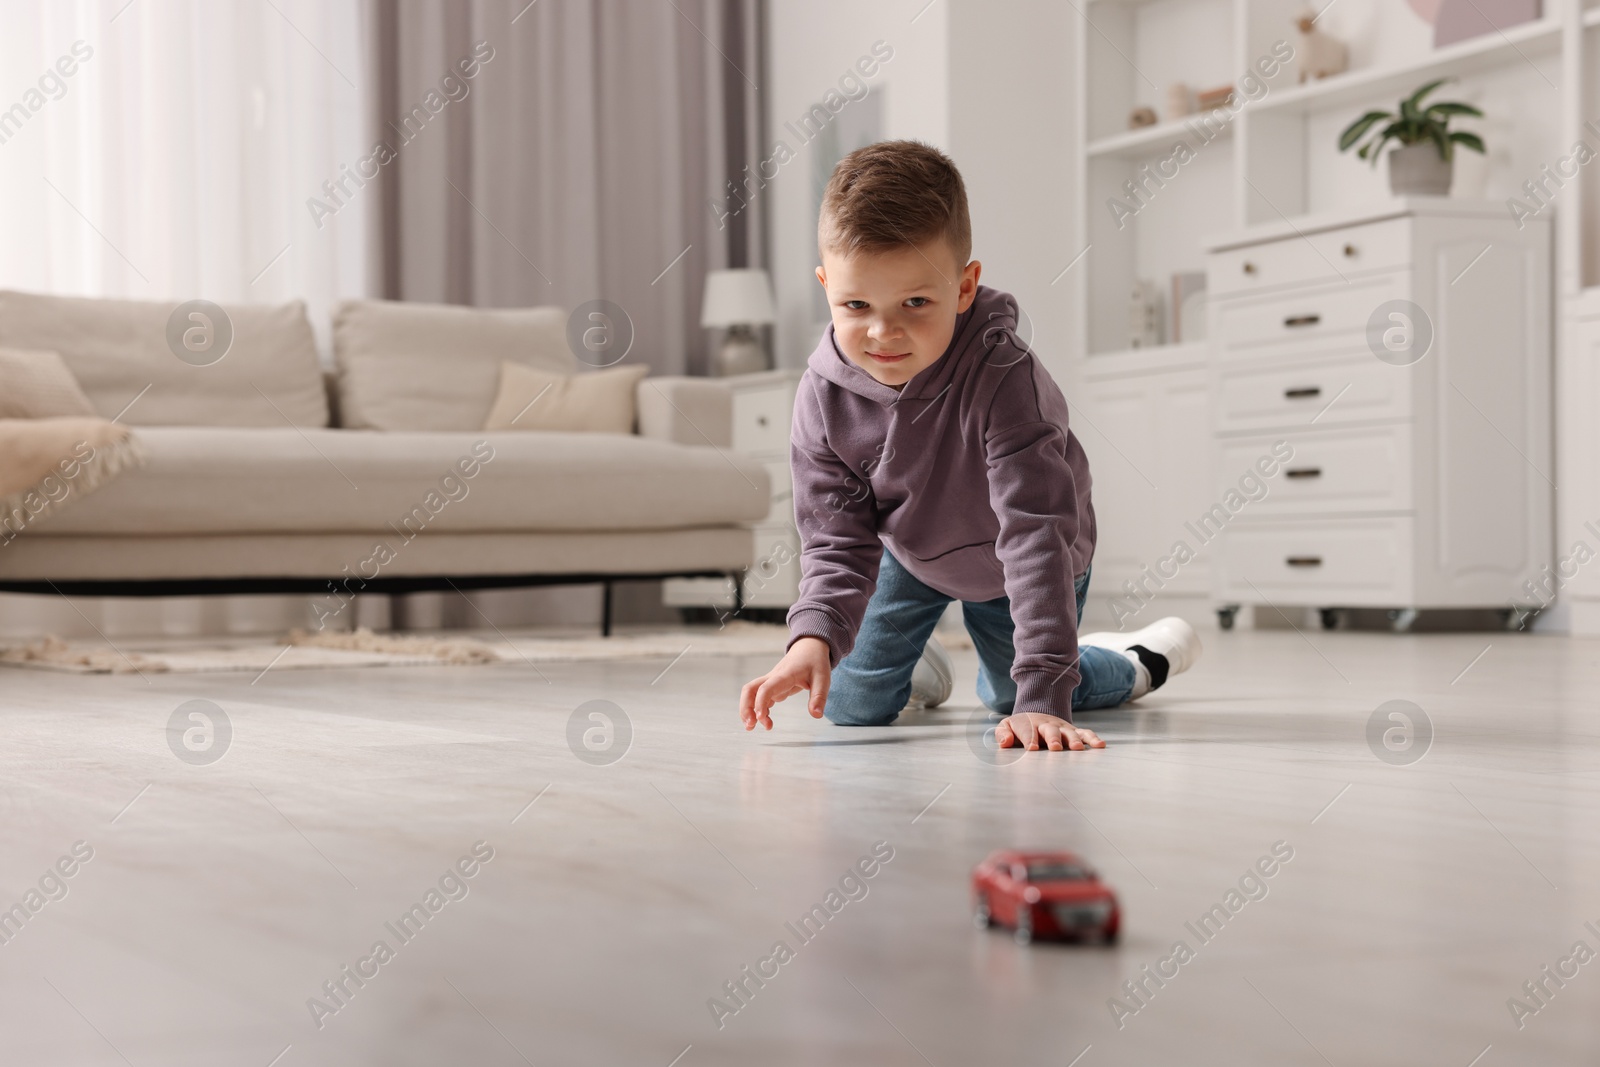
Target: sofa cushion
[(38, 385), (116, 348), (600, 401), (436, 366), (334, 481)]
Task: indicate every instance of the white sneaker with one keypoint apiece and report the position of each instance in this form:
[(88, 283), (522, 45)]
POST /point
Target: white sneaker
[(1170, 646), (933, 678)]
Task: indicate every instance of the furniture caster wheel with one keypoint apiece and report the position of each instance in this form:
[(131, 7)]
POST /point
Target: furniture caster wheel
[(1330, 618), (1226, 615)]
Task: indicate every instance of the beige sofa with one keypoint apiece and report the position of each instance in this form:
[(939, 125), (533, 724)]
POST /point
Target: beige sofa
[(254, 483)]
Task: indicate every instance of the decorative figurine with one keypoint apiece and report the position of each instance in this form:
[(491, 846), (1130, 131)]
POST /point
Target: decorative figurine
[(1177, 101), (1211, 99), (1320, 55)]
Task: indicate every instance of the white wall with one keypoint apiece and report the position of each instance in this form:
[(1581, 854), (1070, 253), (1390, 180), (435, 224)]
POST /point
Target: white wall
[(1012, 118), (986, 81), (811, 45)]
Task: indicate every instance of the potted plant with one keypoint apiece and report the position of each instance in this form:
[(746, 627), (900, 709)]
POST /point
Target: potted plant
[(1423, 164)]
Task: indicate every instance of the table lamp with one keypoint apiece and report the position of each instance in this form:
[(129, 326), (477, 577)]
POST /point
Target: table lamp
[(740, 300)]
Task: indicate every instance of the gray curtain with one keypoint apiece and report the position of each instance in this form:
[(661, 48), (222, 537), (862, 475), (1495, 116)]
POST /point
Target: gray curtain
[(588, 157)]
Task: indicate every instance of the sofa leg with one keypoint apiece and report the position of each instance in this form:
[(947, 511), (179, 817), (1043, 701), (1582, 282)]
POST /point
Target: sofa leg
[(605, 610), (738, 593)]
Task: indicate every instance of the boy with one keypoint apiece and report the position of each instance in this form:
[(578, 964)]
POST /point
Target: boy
[(932, 462)]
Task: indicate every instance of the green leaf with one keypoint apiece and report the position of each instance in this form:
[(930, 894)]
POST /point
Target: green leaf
[(1354, 132), (1471, 140), (1377, 146), (1416, 97), (1454, 109)]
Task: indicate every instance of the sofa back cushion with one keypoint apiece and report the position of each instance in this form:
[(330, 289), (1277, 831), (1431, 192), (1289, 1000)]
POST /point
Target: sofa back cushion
[(38, 385), (436, 366), (116, 348)]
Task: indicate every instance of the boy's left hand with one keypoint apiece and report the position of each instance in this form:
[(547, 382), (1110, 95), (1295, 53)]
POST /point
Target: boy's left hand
[(1033, 730)]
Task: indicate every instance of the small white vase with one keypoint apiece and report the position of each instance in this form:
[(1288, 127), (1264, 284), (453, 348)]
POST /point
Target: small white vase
[(1419, 170)]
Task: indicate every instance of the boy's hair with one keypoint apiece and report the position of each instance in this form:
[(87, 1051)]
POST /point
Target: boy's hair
[(894, 194)]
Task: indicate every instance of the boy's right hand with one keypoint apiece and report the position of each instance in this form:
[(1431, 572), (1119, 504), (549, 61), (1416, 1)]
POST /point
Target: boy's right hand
[(807, 665)]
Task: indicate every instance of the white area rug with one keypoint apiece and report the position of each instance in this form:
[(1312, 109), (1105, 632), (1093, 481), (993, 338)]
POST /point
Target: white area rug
[(363, 648)]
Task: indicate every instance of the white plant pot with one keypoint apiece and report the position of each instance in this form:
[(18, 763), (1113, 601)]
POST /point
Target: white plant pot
[(1418, 170)]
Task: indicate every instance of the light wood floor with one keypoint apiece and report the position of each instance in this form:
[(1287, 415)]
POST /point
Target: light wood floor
[(1419, 900)]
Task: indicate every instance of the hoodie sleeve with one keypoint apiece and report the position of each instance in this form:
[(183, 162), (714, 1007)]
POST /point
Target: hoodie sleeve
[(839, 546), (1033, 491)]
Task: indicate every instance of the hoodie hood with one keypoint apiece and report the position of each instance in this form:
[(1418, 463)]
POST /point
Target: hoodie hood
[(990, 322)]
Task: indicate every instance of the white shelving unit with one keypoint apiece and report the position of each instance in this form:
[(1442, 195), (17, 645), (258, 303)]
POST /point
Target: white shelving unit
[(1578, 328), (1275, 159)]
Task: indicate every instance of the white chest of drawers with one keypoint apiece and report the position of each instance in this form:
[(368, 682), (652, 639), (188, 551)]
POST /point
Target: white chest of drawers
[(1404, 355)]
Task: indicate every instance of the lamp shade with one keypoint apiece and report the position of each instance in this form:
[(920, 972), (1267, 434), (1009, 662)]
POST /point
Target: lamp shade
[(737, 297)]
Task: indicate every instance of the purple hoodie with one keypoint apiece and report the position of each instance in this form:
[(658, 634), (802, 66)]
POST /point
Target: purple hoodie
[(968, 474)]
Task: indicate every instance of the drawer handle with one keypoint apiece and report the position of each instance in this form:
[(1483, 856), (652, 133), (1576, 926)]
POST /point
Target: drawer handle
[(1304, 561), (1302, 392), (1249, 267), (1304, 472), (1302, 320)]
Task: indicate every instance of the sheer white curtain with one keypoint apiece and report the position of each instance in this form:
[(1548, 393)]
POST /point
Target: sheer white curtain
[(166, 149)]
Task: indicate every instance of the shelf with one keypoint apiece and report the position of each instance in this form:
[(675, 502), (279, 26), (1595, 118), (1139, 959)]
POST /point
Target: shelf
[(1148, 140), (1130, 361), (1539, 38), (1388, 207)]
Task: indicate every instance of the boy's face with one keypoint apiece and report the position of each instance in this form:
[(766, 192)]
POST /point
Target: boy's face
[(894, 312)]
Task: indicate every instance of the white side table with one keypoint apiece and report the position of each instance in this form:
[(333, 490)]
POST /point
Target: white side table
[(763, 406)]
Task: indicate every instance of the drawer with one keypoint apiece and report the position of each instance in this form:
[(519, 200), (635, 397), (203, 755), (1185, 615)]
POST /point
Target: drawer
[(1307, 318), (761, 419), (1339, 472), (1349, 562), (1320, 256), (1335, 392), (782, 510)]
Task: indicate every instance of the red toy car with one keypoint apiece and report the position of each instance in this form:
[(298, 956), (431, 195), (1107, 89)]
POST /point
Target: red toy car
[(1044, 894)]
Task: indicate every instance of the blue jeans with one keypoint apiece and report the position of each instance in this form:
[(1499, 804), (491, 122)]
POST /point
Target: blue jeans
[(872, 683)]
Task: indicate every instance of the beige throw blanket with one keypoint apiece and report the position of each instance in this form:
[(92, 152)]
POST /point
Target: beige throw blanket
[(45, 464)]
